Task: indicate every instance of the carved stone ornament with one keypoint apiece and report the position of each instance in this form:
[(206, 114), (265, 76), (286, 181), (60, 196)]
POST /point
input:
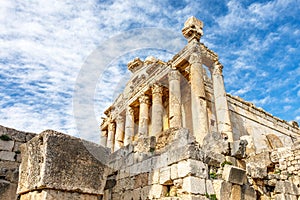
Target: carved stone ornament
[(135, 65), (218, 68), (193, 29), (112, 127), (130, 110), (157, 89), (174, 75), (144, 99), (195, 58)]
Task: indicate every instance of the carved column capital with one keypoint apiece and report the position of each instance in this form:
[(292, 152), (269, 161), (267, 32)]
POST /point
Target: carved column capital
[(174, 75), (157, 89), (112, 127), (120, 119), (195, 58), (144, 99), (217, 68), (130, 110)]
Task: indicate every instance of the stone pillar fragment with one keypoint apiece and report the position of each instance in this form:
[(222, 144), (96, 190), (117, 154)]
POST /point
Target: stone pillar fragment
[(111, 136), (174, 99), (103, 138), (144, 116), (129, 126), (119, 137), (221, 105), (157, 109), (198, 99)]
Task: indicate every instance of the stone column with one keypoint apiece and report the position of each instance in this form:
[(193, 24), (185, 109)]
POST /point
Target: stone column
[(198, 100), (111, 136), (174, 99), (120, 128), (129, 126), (144, 116), (157, 109), (221, 105), (103, 138)]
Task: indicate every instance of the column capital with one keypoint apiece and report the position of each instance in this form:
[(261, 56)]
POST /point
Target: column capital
[(217, 68), (144, 99), (112, 126), (130, 110), (195, 58), (120, 119), (157, 89), (174, 75)]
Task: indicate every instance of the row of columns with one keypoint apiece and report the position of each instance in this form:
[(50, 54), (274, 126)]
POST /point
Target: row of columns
[(122, 131)]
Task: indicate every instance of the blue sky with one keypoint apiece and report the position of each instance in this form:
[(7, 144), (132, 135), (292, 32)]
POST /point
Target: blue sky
[(44, 45)]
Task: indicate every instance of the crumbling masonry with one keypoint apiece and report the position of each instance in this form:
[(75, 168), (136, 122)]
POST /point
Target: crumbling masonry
[(174, 133)]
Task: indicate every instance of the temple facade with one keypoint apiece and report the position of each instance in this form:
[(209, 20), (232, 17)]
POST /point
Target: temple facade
[(187, 92)]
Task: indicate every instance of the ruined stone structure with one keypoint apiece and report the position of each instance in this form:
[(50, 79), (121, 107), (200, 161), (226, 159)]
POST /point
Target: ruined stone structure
[(174, 133), (10, 159)]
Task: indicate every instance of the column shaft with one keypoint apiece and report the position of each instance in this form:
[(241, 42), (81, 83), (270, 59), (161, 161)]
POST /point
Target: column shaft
[(198, 100), (120, 128), (157, 109), (111, 136), (174, 99), (221, 105), (103, 138), (129, 126), (144, 116)]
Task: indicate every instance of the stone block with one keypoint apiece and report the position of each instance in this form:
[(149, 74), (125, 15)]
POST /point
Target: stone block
[(222, 189), (238, 148), (234, 174), (6, 145), (248, 193), (194, 185), (165, 176), (7, 155), (8, 190), (57, 161), (236, 192), (153, 177), (174, 171), (209, 187), (286, 187), (157, 191), (192, 167), (141, 180)]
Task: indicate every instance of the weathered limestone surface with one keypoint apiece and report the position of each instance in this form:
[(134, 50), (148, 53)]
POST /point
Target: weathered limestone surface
[(56, 161)]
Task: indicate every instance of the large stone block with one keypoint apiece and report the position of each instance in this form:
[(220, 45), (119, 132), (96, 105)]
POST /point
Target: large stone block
[(194, 185), (7, 155), (192, 167), (6, 145), (57, 161), (234, 174)]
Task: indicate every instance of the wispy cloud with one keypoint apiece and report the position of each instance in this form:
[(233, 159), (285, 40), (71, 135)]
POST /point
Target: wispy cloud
[(44, 45)]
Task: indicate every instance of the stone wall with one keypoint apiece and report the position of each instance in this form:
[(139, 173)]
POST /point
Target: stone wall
[(263, 128), (10, 159)]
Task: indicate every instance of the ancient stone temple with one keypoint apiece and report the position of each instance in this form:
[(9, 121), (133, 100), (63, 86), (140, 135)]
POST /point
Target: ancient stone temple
[(173, 134)]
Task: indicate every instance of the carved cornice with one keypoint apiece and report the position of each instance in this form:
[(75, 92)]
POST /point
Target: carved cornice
[(135, 65)]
